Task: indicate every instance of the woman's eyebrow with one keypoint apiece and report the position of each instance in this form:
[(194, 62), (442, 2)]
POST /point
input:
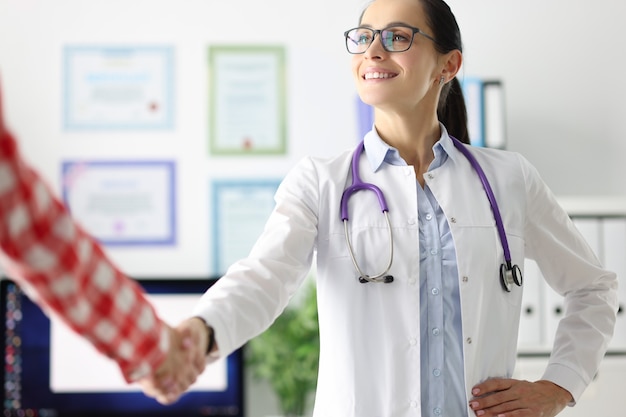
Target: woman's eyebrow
[(390, 24)]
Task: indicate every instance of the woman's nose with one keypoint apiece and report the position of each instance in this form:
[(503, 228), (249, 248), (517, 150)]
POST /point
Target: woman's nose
[(375, 49)]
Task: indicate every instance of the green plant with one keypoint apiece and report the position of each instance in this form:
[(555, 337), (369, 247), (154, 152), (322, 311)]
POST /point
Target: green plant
[(287, 354)]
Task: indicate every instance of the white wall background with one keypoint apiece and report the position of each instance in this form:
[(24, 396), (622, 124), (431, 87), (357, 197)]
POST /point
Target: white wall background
[(559, 61)]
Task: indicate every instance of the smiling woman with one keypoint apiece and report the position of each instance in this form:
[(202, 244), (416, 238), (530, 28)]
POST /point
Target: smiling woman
[(443, 323)]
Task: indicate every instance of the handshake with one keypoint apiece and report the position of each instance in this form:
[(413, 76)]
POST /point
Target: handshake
[(184, 362)]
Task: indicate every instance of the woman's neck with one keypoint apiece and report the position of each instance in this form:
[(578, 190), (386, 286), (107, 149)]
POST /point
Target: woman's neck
[(413, 137)]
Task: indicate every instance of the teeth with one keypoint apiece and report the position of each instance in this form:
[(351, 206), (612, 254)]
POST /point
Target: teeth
[(372, 75)]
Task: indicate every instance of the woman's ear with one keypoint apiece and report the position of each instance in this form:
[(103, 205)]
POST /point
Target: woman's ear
[(452, 62)]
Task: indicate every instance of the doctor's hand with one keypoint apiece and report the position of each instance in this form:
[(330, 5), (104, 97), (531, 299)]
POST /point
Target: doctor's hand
[(178, 371), (501, 397), (198, 332)]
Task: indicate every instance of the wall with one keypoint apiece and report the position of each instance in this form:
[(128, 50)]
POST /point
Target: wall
[(563, 97), (558, 61)]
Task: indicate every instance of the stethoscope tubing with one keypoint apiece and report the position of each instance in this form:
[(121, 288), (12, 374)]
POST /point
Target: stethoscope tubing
[(509, 274), (359, 185), (490, 196)]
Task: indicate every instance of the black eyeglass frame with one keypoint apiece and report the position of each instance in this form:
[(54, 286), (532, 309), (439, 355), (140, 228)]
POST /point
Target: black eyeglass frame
[(379, 32)]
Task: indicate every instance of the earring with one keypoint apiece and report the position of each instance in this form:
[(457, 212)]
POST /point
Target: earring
[(442, 80)]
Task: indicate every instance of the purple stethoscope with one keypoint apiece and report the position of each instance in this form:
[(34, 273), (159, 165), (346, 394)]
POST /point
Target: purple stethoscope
[(509, 274)]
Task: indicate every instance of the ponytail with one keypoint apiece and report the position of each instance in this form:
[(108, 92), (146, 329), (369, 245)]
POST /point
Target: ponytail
[(451, 109), (452, 112)]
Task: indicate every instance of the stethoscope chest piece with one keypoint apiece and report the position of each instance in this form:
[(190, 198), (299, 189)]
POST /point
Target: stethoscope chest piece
[(510, 275), (387, 279)]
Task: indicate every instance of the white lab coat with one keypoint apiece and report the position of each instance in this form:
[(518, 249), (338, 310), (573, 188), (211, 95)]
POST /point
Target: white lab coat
[(370, 353)]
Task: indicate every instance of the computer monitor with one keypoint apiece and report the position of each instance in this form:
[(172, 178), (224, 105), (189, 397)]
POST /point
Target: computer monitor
[(49, 371)]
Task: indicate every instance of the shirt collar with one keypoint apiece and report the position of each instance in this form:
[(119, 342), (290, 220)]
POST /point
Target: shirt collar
[(378, 151)]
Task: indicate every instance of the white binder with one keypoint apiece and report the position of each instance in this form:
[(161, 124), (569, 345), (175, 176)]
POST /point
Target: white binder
[(532, 319), (614, 251)]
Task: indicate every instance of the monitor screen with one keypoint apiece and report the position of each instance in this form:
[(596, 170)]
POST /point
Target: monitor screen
[(49, 371)]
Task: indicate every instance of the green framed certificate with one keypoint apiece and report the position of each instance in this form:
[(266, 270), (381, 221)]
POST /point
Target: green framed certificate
[(247, 100)]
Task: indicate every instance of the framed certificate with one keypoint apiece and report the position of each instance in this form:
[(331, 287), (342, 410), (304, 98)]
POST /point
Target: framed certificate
[(123, 202), (247, 100), (240, 210), (118, 87)]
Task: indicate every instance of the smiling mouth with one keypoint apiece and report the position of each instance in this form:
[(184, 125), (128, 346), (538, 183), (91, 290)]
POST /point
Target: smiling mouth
[(378, 75)]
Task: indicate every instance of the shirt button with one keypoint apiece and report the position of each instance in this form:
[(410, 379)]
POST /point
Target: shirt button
[(431, 176), (437, 411), (465, 279), (452, 220), (469, 340), (429, 216), (437, 372), (433, 251), (434, 291), (436, 331)]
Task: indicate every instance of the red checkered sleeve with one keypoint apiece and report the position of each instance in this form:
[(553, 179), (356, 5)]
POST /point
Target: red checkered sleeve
[(67, 274)]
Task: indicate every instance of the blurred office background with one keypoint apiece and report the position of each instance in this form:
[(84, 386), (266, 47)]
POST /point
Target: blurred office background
[(558, 63)]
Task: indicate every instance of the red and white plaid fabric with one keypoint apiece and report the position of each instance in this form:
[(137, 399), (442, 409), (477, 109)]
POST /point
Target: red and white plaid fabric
[(66, 272)]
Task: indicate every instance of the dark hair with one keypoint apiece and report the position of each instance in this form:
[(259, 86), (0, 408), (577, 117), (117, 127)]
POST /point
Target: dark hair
[(451, 109)]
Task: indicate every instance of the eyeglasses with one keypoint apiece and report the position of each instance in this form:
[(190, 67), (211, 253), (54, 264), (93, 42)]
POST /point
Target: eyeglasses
[(397, 38)]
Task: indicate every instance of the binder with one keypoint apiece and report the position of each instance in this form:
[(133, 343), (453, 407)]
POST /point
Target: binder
[(486, 119), (531, 329), (473, 94), (554, 312), (494, 115), (613, 233)]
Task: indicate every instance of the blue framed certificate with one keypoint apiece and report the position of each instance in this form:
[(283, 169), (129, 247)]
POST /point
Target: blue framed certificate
[(118, 87), (240, 210), (123, 202)]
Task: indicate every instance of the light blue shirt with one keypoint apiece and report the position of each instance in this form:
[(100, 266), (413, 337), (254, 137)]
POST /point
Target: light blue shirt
[(442, 380)]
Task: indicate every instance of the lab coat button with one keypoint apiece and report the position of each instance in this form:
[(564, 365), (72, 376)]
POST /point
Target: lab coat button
[(412, 281), (413, 342), (412, 220), (413, 404)]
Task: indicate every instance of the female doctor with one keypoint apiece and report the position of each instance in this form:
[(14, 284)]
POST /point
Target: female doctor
[(436, 334)]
